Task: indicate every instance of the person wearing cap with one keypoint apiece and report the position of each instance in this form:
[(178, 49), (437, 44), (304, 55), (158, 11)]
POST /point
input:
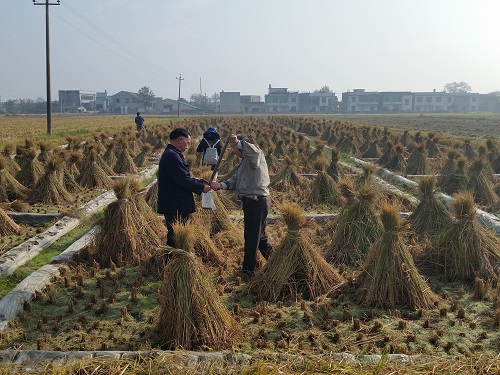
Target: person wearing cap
[(211, 138), (251, 182), (175, 184), (139, 121)]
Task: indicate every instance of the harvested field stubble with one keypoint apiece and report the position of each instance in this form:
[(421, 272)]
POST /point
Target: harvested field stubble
[(115, 306)]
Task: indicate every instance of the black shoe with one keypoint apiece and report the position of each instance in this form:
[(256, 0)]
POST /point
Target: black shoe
[(245, 273)]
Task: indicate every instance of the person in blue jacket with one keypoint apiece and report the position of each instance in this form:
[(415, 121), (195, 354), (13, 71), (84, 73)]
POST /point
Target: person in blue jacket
[(210, 137), (175, 184)]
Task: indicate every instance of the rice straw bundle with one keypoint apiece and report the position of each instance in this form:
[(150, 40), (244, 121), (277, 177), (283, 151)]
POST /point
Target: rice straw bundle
[(479, 185), (295, 266), (7, 225), (357, 226), (151, 196), (10, 164), (50, 189), (458, 180), (10, 188), (141, 160), (387, 155), (465, 249), (324, 190), (31, 169), (216, 220), (372, 150), (124, 163), (469, 152), (92, 175), (449, 167), (74, 159), (45, 152), (124, 231), (287, 178), (417, 161), (333, 168), (152, 222), (432, 146), (110, 155), (431, 215), (191, 313), (367, 177), (389, 276), (397, 161), (204, 246)]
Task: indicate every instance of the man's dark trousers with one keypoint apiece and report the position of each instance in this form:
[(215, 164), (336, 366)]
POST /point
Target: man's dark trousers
[(254, 215)]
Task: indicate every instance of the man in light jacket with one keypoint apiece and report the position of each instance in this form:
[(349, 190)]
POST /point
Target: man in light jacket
[(251, 182)]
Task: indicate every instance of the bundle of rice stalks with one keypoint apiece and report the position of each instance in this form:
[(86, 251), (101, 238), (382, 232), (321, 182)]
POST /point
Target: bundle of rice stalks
[(372, 151), (295, 266), (458, 180), (333, 168), (124, 232), (45, 152), (469, 152), (124, 163), (31, 169), (204, 246), (7, 225), (417, 161), (357, 226), (191, 313), (367, 177), (465, 249), (449, 167), (431, 215), (389, 276), (141, 160), (287, 178), (110, 155), (432, 146), (92, 175), (479, 185), (50, 189), (151, 195), (10, 188), (216, 220), (387, 155), (74, 159), (398, 161), (152, 221), (405, 139), (324, 190), (10, 164)]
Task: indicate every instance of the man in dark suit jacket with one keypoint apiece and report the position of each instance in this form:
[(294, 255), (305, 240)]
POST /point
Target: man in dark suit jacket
[(175, 184)]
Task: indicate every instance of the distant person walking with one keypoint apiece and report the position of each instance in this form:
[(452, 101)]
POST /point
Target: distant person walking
[(139, 121)]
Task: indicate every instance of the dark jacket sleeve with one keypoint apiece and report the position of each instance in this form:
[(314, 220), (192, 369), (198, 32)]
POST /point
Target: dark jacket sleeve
[(177, 168)]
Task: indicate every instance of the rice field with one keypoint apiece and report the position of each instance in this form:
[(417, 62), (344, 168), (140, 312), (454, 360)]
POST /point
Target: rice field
[(390, 292)]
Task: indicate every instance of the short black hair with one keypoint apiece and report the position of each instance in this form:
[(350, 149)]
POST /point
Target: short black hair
[(179, 132), (243, 137), (138, 113)]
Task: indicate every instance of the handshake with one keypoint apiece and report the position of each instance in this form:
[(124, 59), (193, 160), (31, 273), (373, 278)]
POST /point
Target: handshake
[(214, 185)]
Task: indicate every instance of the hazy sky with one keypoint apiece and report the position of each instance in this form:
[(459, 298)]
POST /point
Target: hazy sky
[(236, 45)]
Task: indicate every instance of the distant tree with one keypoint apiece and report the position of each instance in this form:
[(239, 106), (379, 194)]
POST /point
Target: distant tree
[(147, 96), (324, 89), (10, 106), (457, 87)]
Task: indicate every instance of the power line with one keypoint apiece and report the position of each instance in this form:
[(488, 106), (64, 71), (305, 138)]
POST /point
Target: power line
[(105, 47), (114, 41)]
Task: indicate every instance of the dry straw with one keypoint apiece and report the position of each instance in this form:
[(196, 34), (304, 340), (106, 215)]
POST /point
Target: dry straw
[(324, 190), (389, 277), (7, 225), (417, 161), (296, 265), (480, 185), (31, 169), (124, 232), (92, 175), (431, 215), (10, 188), (357, 226), (465, 249), (50, 189), (191, 313), (287, 178)]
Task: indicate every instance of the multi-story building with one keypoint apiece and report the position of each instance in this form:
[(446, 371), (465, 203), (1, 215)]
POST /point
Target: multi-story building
[(361, 101), (77, 100), (279, 99), (230, 102), (126, 102)]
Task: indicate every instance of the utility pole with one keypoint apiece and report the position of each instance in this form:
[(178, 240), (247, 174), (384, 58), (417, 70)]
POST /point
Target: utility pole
[(47, 62), (179, 99), (200, 95)]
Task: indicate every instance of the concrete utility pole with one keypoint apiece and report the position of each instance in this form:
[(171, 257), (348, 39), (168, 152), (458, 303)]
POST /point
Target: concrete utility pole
[(179, 99), (47, 62)]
